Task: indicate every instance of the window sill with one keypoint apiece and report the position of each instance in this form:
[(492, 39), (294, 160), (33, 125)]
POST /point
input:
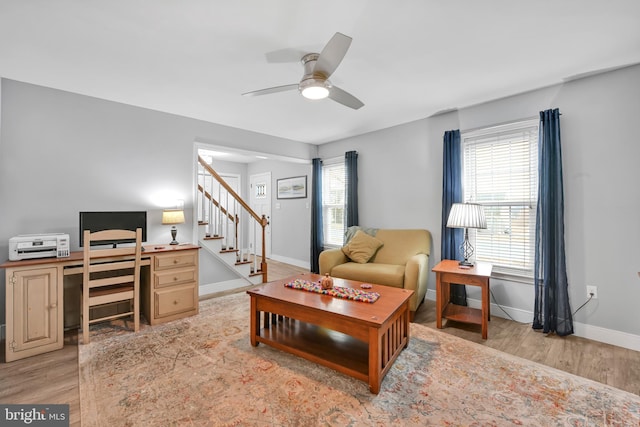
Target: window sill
[(512, 278)]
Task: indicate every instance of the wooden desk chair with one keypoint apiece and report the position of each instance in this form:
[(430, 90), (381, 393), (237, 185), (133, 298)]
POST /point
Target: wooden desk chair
[(110, 276)]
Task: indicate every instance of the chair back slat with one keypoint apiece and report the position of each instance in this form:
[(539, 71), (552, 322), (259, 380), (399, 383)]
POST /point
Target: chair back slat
[(111, 265), (110, 281)]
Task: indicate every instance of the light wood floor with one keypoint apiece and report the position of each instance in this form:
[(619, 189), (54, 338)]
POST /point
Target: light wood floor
[(53, 377)]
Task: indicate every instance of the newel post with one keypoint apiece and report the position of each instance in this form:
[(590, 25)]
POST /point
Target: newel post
[(264, 222)]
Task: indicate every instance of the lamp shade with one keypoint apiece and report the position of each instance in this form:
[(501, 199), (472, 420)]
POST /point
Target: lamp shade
[(466, 215), (172, 216)]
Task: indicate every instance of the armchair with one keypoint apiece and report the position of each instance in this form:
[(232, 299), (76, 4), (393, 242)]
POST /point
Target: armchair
[(401, 261)]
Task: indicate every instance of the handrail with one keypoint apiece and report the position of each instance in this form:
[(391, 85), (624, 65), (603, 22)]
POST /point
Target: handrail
[(262, 220)]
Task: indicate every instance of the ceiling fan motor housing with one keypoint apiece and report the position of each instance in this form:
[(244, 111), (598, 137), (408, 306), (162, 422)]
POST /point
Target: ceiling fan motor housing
[(314, 85)]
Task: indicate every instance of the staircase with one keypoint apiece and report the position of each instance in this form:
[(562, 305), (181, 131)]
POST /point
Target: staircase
[(228, 228)]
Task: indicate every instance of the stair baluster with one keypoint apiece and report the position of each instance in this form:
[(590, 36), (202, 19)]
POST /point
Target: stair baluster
[(212, 215), (207, 206), (203, 198), (219, 210), (254, 253), (227, 234), (239, 232), (236, 228)]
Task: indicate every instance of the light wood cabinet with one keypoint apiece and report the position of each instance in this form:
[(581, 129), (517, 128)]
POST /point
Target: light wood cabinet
[(173, 288), (34, 311)]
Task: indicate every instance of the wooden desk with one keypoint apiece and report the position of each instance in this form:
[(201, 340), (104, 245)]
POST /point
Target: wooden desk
[(43, 295), (447, 272)]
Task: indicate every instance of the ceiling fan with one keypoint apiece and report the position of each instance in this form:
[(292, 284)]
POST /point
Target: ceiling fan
[(318, 67)]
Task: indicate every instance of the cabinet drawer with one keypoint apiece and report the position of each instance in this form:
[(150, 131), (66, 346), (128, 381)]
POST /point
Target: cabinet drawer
[(175, 300), (175, 260), (174, 277)]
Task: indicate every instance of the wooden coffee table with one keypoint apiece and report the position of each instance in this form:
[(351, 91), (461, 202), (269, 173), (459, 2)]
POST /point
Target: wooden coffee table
[(356, 338)]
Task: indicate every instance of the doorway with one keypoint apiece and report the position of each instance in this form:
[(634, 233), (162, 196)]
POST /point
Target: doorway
[(260, 202)]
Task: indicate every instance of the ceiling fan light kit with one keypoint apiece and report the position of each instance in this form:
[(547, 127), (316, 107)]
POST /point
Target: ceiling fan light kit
[(318, 67), (314, 90)]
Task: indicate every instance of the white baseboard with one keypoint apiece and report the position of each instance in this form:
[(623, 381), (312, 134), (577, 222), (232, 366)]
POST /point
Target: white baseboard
[(227, 285), (608, 336), (596, 333), (292, 261)]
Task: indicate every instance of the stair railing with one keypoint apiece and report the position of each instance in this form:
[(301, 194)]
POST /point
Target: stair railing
[(222, 218)]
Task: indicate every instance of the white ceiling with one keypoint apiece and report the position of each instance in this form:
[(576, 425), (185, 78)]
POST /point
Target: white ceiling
[(409, 59)]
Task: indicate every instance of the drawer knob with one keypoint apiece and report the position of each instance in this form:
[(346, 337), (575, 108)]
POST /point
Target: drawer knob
[(54, 305), (175, 302), (175, 278), (175, 261)]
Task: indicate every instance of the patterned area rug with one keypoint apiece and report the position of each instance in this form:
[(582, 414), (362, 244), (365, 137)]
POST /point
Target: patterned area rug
[(202, 371)]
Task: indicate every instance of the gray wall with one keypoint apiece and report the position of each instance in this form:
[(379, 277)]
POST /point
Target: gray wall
[(290, 218), (400, 176), (61, 153)]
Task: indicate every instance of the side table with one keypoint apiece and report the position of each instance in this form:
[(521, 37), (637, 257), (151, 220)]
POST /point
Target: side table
[(447, 272)]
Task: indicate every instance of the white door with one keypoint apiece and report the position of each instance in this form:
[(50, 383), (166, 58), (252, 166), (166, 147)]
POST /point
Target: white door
[(260, 202)]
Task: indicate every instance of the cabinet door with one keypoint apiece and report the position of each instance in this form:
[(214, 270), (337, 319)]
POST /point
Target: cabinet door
[(34, 312)]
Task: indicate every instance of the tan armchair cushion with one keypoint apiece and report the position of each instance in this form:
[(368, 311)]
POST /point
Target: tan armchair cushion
[(362, 247)]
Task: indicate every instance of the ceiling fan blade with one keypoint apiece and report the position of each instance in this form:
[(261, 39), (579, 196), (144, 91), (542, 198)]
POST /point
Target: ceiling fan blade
[(284, 55), (270, 90), (332, 54), (345, 98)]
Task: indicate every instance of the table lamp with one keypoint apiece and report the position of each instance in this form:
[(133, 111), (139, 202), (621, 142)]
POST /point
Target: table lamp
[(172, 217), (466, 215)]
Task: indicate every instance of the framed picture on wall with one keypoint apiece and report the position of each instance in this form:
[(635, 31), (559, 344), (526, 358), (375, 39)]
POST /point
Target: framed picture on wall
[(292, 188)]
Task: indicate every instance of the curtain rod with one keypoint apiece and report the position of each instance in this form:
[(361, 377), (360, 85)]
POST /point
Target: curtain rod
[(500, 124)]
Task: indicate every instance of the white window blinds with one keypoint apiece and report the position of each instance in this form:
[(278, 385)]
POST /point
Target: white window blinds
[(500, 171), (333, 199)]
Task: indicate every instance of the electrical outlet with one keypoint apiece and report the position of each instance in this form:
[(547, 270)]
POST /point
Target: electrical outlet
[(592, 290)]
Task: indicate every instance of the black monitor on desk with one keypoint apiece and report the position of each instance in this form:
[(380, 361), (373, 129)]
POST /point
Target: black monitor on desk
[(108, 220)]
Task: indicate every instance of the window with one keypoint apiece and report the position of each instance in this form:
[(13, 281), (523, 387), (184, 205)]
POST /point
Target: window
[(333, 201), (500, 172)]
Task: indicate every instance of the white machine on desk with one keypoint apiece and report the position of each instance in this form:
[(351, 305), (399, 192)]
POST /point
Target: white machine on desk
[(30, 246)]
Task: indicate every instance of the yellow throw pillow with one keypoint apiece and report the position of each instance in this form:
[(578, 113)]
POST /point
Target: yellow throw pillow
[(361, 247)]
